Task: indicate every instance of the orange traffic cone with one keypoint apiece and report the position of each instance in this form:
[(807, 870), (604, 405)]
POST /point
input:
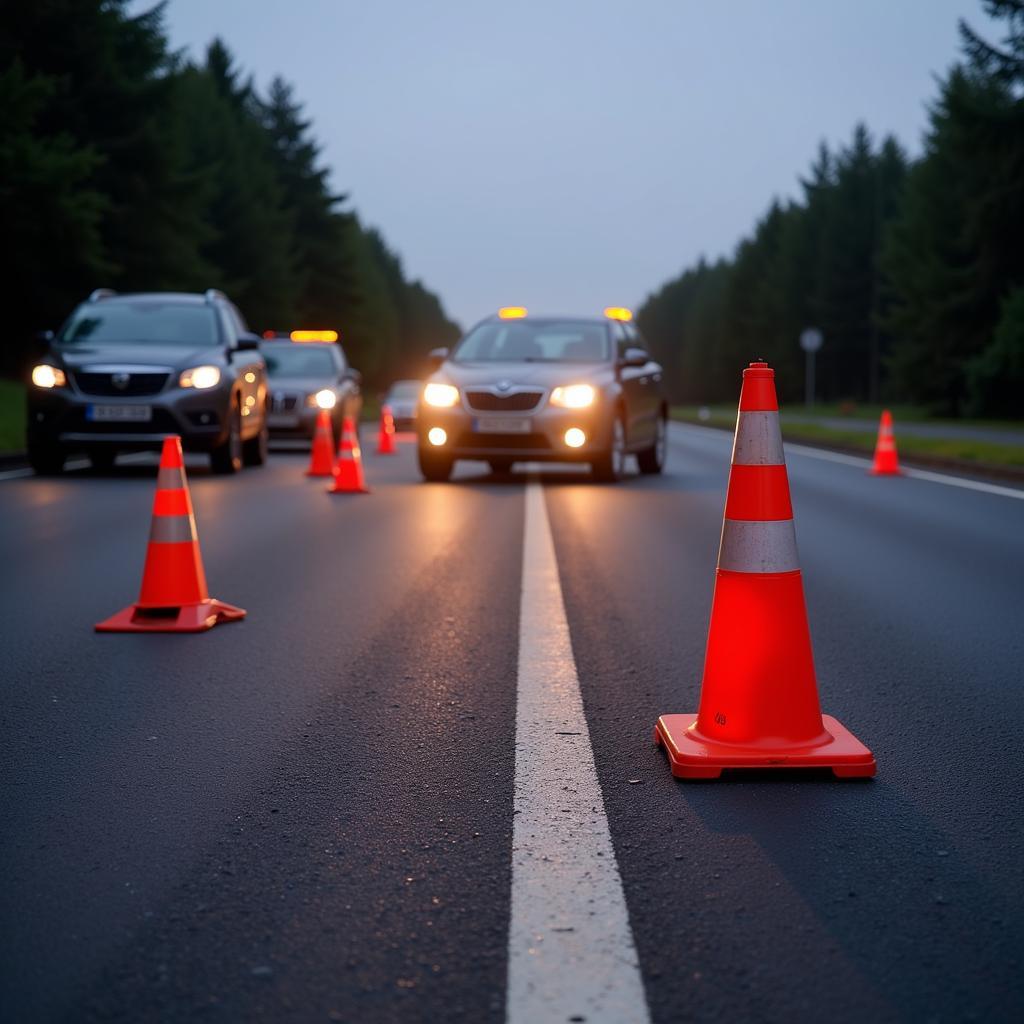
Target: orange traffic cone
[(386, 436), (348, 470), (322, 454), (759, 697), (887, 462), (174, 598)]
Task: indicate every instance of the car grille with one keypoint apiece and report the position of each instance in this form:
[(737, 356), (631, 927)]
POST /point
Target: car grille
[(504, 442), (136, 384), (487, 401), (284, 403)]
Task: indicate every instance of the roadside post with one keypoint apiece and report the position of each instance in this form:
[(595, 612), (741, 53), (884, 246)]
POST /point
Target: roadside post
[(810, 341)]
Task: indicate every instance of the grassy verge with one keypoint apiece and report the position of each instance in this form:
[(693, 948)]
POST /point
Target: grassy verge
[(966, 452), (12, 416)]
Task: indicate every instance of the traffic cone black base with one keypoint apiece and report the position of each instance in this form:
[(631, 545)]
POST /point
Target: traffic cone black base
[(694, 757), (190, 618)]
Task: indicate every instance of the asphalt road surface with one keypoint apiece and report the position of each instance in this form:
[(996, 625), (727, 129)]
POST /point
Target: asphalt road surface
[(310, 815)]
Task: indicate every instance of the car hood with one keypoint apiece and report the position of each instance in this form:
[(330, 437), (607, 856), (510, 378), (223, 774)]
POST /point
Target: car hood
[(180, 357), (544, 375), (307, 385)]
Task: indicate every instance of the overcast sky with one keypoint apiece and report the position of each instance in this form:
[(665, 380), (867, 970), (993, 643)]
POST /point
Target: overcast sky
[(571, 154)]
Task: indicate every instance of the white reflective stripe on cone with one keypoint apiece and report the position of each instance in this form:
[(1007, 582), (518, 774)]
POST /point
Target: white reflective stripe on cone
[(761, 546), (170, 478), (172, 529), (758, 440)]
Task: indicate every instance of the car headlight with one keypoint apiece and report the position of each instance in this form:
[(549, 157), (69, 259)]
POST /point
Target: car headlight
[(325, 399), (200, 377), (441, 396), (46, 376), (573, 396)]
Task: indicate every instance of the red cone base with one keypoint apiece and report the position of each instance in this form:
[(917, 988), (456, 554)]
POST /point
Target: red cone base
[(695, 757), (189, 618)]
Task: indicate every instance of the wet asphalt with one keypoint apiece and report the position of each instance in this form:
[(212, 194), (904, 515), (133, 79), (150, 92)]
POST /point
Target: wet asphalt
[(307, 816)]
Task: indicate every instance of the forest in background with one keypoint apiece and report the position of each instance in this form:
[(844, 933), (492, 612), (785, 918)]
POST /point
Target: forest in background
[(912, 270), (124, 165)]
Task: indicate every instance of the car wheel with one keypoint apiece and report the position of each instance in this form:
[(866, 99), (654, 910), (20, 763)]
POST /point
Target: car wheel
[(611, 465), (46, 460), (652, 460), (500, 467), (226, 458), (434, 467), (102, 459), (254, 451)]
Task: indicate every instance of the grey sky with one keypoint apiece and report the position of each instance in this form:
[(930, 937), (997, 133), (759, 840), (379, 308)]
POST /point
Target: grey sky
[(568, 155)]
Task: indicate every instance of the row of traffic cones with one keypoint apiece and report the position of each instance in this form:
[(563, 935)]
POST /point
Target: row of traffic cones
[(174, 596)]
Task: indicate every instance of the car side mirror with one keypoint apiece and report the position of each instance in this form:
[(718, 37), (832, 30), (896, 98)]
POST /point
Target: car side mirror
[(634, 357), (438, 356), (353, 375), (248, 343), (44, 337)]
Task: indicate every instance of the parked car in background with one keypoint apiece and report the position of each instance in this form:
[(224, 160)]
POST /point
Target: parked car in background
[(126, 371), (306, 376), (552, 389), (402, 398)]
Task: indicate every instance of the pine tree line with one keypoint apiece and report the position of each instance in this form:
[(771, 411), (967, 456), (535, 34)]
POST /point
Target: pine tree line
[(124, 165), (914, 272)]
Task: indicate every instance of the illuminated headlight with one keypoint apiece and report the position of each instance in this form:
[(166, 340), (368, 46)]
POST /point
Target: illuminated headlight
[(45, 376), (325, 399), (575, 438), (573, 396), (437, 436), (200, 377), (441, 396)]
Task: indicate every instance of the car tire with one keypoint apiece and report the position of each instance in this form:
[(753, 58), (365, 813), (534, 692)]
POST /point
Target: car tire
[(609, 466), (102, 459), (435, 468), (652, 460), (46, 459), (226, 458), (254, 451), (500, 467)]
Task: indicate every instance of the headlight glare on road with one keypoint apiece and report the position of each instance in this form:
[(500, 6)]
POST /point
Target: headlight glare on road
[(437, 436), (575, 438), (46, 376), (200, 377), (323, 399), (441, 396), (573, 396)]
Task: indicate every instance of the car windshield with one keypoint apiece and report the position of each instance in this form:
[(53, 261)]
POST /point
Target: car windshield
[(290, 360), (405, 389), (540, 341), (133, 323)]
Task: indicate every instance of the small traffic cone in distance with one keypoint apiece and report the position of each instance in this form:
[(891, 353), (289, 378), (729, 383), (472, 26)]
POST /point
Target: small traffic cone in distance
[(321, 457), (174, 598), (386, 436), (348, 470), (759, 696), (887, 461)]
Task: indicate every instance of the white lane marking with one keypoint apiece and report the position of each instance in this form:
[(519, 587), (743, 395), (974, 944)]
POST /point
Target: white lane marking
[(571, 951), (17, 474), (917, 474)]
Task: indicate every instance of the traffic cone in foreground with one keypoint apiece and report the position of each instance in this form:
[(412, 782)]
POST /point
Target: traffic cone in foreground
[(348, 470), (174, 598), (322, 455), (759, 698), (386, 437), (887, 462)]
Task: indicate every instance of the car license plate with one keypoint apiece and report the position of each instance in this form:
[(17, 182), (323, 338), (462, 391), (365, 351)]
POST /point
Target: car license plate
[(119, 413), (502, 425), (282, 419)]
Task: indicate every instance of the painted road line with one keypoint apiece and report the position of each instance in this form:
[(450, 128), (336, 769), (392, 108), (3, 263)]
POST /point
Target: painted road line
[(571, 951), (916, 474), (135, 458)]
